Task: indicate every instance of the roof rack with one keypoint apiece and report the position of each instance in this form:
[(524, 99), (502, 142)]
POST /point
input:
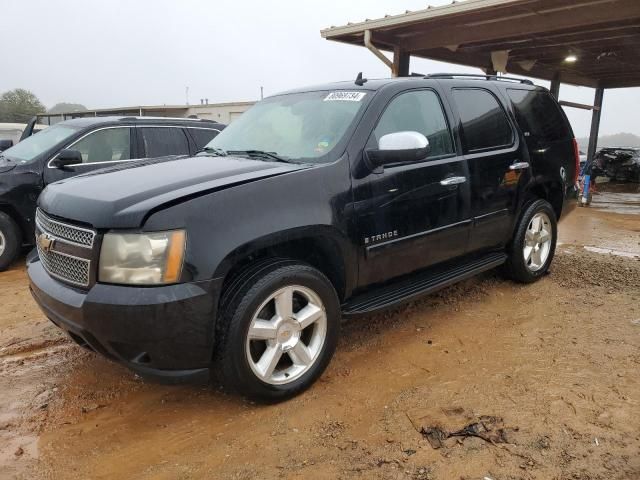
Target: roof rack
[(130, 118), (478, 77)]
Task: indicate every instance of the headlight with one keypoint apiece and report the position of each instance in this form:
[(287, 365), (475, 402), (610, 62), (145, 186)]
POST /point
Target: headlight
[(142, 258)]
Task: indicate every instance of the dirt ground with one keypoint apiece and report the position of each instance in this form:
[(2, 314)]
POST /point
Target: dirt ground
[(484, 380)]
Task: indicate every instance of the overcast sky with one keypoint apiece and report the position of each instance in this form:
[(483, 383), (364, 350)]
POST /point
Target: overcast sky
[(145, 52)]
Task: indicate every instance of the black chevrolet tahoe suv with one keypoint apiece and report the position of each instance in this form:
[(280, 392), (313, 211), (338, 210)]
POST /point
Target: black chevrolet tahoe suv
[(317, 204), (78, 146)]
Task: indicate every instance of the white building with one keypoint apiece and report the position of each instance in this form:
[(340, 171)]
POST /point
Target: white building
[(218, 112)]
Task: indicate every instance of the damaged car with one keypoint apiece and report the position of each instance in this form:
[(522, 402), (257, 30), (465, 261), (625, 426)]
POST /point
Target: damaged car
[(618, 163)]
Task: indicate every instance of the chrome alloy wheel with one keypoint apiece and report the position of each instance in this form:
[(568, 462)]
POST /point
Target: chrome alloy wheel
[(286, 335), (537, 242), (3, 242)]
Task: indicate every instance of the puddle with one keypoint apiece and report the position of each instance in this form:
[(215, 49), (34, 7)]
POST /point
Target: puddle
[(621, 198)]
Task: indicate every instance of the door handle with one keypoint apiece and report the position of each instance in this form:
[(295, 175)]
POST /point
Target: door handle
[(447, 182), (519, 166)]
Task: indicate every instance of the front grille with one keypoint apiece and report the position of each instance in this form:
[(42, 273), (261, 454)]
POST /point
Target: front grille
[(64, 231), (65, 250), (66, 267)]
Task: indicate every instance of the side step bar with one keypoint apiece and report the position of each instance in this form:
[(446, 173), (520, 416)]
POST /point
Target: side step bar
[(419, 284)]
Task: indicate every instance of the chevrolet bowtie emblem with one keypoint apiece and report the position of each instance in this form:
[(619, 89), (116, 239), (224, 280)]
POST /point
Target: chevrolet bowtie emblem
[(45, 242)]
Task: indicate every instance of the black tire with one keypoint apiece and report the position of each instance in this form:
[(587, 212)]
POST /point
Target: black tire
[(245, 294), (516, 268), (11, 238)]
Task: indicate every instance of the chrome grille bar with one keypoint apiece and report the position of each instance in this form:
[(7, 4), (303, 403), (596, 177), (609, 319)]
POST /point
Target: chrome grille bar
[(65, 232)]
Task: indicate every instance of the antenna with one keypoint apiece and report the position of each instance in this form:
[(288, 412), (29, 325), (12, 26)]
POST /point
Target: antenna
[(360, 81)]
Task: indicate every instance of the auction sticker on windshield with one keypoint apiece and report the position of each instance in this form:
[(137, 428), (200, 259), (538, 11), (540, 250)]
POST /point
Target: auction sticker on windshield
[(345, 97)]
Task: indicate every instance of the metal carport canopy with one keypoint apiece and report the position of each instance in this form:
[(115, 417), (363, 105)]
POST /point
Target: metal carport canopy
[(525, 37), (591, 43)]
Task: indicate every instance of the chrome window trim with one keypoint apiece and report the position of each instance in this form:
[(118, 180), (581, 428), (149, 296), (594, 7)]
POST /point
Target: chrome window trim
[(67, 225), (85, 136), (109, 162), (195, 128)]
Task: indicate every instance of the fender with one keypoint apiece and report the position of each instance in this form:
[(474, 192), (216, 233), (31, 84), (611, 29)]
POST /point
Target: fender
[(312, 204)]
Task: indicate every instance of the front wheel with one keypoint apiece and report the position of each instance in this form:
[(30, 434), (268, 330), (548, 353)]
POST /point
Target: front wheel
[(278, 330), (534, 243), (10, 240)]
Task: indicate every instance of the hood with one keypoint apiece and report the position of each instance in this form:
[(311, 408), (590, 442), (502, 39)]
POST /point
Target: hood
[(122, 196)]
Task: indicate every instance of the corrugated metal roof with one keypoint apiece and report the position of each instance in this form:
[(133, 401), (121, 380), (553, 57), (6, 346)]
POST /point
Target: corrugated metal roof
[(409, 17)]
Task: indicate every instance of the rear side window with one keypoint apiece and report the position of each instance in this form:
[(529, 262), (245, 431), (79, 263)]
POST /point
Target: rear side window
[(417, 111), (539, 115), (202, 136), (484, 123), (161, 141)]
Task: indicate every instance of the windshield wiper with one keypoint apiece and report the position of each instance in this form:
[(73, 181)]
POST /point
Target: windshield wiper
[(261, 153), (218, 152)]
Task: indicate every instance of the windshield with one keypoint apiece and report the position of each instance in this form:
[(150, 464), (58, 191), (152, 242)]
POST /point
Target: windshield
[(306, 127), (31, 147)]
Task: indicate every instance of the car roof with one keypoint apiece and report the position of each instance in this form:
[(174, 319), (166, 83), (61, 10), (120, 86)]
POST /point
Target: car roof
[(375, 84), (84, 122)]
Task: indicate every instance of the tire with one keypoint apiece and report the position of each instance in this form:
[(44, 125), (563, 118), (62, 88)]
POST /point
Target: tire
[(242, 358), (10, 241), (527, 263)]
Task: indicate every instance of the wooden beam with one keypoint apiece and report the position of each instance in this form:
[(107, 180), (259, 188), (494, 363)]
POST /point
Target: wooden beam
[(555, 85), (581, 106), (595, 124), (401, 61)]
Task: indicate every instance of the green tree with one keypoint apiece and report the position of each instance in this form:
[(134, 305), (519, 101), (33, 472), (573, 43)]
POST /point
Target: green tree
[(64, 107), (19, 106)]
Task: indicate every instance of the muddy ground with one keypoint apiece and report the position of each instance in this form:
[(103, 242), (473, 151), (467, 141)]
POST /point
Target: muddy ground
[(544, 377)]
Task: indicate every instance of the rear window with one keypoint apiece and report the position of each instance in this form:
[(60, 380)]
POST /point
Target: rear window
[(539, 115), (484, 123), (161, 141)]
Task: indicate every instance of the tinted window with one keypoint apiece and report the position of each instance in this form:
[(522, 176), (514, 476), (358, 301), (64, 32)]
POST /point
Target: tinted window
[(202, 136), (161, 141), (104, 145), (539, 115), (484, 123), (417, 111)]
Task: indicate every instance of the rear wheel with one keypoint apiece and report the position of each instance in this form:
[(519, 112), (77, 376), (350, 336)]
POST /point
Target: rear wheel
[(10, 241), (534, 243), (278, 330)]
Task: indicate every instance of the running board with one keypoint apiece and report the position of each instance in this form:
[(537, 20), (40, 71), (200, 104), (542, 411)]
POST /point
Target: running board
[(419, 284)]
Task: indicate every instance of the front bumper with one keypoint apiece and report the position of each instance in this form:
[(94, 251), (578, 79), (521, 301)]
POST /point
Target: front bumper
[(165, 333)]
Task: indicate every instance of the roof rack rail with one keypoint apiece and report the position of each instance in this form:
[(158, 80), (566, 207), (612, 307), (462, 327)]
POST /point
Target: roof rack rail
[(130, 118), (479, 76)]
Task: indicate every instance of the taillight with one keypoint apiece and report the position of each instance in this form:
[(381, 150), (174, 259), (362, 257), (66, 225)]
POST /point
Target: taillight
[(576, 152)]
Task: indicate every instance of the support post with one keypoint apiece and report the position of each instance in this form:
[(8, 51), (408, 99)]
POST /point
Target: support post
[(401, 61), (595, 124), (555, 86)]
